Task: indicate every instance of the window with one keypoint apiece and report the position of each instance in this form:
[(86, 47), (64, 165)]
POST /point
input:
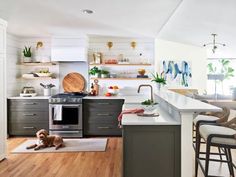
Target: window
[(222, 66)]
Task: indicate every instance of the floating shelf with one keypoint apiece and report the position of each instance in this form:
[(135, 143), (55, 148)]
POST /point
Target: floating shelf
[(38, 64), (121, 78), (120, 64), (37, 78)]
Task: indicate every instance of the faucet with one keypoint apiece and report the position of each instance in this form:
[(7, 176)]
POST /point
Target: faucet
[(147, 85)]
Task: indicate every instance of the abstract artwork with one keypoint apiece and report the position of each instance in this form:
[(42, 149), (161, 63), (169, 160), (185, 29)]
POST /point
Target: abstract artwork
[(177, 73)]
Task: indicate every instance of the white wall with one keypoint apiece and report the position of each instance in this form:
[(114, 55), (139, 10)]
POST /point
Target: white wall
[(167, 50), (121, 45)]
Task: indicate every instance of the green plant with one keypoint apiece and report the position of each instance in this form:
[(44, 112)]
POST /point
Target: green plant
[(27, 51), (105, 72), (224, 68), (94, 70), (158, 79)]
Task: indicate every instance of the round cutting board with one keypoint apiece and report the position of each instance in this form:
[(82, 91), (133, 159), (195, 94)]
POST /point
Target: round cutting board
[(73, 82)]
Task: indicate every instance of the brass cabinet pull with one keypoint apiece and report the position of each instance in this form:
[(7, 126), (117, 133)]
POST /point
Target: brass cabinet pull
[(29, 103), (103, 127), (103, 103), (103, 114), (30, 114), (29, 127)]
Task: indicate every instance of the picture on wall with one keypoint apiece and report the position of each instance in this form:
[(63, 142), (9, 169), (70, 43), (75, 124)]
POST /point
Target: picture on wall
[(177, 73)]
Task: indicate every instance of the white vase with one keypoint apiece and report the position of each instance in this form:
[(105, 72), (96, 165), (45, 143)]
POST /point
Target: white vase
[(27, 59), (47, 92), (158, 85)]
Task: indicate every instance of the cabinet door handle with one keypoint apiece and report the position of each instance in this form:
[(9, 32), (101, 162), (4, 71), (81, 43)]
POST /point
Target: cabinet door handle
[(29, 103), (103, 127), (103, 103), (30, 114), (29, 127), (103, 114)]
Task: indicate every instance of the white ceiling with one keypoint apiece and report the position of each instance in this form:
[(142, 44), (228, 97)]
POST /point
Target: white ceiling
[(64, 17), (195, 20)]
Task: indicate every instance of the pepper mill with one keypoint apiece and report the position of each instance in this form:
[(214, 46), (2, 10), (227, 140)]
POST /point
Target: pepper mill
[(96, 87)]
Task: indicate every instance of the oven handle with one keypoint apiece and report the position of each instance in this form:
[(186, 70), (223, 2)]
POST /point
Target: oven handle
[(66, 131)]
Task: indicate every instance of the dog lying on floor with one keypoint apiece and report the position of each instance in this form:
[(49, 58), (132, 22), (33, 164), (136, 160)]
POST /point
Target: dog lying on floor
[(46, 140)]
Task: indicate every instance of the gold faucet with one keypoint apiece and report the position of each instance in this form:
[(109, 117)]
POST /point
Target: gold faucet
[(147, 85)]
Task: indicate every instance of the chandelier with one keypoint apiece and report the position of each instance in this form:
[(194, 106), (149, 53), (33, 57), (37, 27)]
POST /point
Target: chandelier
[(214, 44)]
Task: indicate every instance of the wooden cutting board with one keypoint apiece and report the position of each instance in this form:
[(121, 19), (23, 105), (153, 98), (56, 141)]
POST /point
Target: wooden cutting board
[(73, 82)]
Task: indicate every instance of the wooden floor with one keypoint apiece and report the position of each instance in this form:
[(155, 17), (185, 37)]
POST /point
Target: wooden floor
[(83, 164)]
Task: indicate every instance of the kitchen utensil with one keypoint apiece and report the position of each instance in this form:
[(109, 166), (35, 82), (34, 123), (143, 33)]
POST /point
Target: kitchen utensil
[(47, 86), (96, 87), (73, 82), (148, 115)]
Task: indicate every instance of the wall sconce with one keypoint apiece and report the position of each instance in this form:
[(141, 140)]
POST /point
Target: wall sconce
[(133, 44), (109, 45), (39, 45)]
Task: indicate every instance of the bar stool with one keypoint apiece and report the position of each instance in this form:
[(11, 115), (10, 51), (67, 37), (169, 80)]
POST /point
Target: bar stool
[(221, 136)]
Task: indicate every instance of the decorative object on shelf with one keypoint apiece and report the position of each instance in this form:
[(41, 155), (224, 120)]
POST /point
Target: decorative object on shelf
[(177, 73), (92, 90), (114, 90), (28, 92), (47, 89), (141, 72), (27, 54), (159, 80), (104, 74), (96, 87), (109, 45), (95, 72), (111, 61), (73, 82), (44, 72), (133, 44), (214, 44), (97, 58), (113, 75), (124, 61)]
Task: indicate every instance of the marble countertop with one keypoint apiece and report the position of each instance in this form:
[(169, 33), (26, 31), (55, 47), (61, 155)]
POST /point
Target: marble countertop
[(183, 103), (163, 119)]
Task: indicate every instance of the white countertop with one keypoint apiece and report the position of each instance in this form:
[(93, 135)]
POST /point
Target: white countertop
[(34, 97), (163, 119), (185, 104), (127, 98)]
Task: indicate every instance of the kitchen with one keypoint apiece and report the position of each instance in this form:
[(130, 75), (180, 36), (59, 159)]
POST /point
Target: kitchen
[(95, 75)]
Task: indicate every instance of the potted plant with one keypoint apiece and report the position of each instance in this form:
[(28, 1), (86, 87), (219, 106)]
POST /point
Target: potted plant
[(159, 80), (104, 73), (95, 72), (27, 54)]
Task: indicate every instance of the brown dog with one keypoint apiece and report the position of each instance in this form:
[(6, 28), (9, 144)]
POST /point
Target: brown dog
[(46, 140)]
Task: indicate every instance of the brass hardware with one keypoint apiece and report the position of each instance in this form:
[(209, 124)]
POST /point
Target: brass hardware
[(39, 45), (109, 44), (133, 44)]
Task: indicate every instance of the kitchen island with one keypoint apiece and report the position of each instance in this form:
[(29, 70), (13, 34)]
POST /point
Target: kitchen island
[(161, 146)]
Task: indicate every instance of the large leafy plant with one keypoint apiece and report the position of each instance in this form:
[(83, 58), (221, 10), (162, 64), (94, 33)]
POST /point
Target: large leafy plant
[(158, 79), (224, 68)]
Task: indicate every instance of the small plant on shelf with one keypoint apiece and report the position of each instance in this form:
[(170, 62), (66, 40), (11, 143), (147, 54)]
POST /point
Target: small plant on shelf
[(95, 71), (27, 54), (104, 73), (159, 80)]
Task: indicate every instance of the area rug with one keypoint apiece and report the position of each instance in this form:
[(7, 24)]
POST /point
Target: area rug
[(71, 145)]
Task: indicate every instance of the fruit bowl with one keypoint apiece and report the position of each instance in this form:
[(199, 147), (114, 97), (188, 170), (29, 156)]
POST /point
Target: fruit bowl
[(113, 91)]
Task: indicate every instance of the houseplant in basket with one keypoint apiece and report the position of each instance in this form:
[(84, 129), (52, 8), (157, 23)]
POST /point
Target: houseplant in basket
[(159, 80), (27, 54)]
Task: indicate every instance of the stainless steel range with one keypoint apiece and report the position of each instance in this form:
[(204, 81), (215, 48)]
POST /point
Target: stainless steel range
[(65, 114)]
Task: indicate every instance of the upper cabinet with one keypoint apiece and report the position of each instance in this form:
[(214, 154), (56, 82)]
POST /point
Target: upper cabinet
[(66, 49)]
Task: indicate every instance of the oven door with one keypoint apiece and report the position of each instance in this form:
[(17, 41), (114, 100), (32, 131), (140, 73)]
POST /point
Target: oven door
[(65, 117)]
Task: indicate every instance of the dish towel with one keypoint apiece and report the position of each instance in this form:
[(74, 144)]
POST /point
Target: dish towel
[(57, 115), (130, 111)]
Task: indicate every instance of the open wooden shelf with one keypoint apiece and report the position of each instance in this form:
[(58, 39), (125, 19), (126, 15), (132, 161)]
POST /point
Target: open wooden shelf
[(121, 64), (121, 78), (37, 78), (39, 64)]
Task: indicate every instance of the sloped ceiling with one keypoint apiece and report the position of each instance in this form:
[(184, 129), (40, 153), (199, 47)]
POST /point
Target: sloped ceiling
[(65, 17), (195, 20)]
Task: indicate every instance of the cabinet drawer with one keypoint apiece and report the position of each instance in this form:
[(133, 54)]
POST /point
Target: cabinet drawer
[(28, 116), (106, 104), (22, 129), (102, 117), (26, 104), (103, 129)]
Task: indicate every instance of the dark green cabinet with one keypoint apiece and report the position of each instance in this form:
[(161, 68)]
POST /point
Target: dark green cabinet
[(152, 151), (27, 116), (100, 117)]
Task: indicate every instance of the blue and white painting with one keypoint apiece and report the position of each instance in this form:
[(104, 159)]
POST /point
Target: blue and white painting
[(177, 73)]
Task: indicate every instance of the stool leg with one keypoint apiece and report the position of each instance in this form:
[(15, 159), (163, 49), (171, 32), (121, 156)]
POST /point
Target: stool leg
[(220, 153), (231, 163), (208, 149), (228, 160), (197, 150)]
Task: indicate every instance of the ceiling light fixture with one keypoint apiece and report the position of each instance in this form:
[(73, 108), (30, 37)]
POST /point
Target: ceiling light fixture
[(214, 43), (87, 11)]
